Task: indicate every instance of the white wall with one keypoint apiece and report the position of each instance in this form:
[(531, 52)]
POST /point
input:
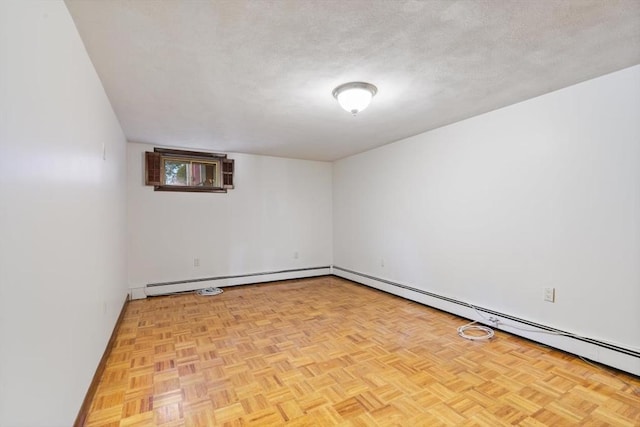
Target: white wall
[(544, 193), (278, 207), (62, 216)]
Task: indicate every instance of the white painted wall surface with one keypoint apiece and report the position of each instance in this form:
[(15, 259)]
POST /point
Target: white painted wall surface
[(544, 193), (62, 216), (278, 207)]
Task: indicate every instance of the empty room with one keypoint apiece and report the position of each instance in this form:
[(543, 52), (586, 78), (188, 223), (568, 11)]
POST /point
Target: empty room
[(319, 212)]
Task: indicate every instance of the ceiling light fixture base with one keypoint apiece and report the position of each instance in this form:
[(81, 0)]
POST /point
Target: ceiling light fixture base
[(355, 96)]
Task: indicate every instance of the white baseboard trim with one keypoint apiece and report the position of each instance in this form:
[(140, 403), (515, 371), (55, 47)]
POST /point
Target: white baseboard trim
[(155, 289), (616, 356)]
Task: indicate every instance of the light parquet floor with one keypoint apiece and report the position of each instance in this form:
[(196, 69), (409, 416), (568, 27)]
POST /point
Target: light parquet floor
[(325, 351)]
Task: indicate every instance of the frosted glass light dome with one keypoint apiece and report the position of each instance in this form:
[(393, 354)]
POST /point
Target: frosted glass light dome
[(355, 96)]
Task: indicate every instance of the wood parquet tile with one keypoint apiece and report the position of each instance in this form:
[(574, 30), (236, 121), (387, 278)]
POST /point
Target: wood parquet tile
[(326, 351)]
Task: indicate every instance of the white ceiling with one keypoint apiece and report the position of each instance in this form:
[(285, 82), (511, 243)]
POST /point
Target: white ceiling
[(256, 76)]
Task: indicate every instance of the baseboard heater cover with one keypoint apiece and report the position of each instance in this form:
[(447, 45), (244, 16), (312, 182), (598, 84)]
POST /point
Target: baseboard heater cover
[(163, 288), (599, 351)]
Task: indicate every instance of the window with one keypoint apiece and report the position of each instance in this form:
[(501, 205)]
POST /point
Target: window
[(179, 170)]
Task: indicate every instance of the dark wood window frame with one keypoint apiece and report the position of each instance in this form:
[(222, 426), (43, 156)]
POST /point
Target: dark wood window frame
[(221, 168)]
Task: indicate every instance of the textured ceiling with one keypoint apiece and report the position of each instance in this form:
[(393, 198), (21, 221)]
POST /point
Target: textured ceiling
[(256, 76)]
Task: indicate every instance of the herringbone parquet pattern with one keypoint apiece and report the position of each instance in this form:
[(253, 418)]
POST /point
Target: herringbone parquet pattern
[(325, 351)]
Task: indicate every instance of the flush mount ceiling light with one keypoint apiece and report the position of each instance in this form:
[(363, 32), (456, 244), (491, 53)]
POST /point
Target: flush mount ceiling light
[(355, 96)]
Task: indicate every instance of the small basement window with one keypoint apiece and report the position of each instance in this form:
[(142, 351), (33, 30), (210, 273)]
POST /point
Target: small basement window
[(193, 171)]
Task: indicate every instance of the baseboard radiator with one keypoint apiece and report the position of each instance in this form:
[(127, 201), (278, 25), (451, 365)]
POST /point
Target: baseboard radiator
[(613, 355), (176, 286)]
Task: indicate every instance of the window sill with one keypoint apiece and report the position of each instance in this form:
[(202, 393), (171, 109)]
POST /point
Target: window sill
[(189, 189)]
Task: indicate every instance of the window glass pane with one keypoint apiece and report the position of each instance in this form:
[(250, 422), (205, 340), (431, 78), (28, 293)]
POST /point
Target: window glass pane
[(175, 172), (203, 174)]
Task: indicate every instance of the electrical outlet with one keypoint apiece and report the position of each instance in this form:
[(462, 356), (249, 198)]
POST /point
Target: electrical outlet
[(295, 255), (196, 262), (494, 320), (550, 294)]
